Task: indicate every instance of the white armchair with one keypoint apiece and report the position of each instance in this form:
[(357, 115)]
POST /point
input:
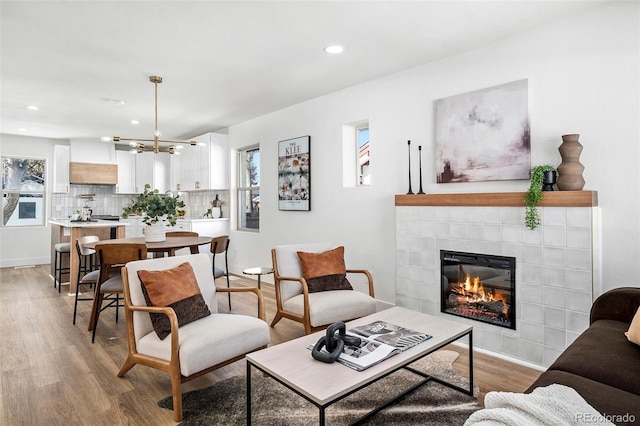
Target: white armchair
[(198, 347), (315, 310)]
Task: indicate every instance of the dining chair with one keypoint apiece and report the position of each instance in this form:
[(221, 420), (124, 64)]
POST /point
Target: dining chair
[(311, 286), (112, 258), (192, 250), (88, 269), (188, 336), (220, 245)]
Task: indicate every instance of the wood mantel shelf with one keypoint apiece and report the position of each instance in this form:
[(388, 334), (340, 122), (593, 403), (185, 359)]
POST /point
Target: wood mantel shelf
[(502, 199)]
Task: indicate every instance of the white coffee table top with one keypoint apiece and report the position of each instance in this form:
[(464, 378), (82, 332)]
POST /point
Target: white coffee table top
[(291, 362)]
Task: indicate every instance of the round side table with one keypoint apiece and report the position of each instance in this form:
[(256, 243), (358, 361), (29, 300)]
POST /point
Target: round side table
[(259, 271)]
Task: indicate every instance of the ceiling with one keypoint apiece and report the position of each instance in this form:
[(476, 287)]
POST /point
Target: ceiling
[(222, 62)]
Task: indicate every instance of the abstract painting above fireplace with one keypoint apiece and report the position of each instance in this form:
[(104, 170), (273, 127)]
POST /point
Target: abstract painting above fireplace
[(480, 287)]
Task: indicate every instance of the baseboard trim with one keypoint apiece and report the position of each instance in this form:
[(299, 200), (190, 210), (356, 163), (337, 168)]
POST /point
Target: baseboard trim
[(501, 356), (11, 263)]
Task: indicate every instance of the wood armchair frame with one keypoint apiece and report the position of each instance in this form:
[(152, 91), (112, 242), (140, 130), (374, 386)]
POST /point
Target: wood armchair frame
[(172, 367), (305, 319)]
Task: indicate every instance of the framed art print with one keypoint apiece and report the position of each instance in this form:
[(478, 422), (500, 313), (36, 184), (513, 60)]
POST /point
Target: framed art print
[(294, 174), (484, 135)]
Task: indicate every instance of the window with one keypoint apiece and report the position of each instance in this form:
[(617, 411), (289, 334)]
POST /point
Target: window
[(362, 137), (356, 154), (249, 188), (23, 191)]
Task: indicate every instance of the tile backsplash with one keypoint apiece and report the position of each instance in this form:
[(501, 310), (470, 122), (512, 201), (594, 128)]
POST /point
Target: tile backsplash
[(104, 201)]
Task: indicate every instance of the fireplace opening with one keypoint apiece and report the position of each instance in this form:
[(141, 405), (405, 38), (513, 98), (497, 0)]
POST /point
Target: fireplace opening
[(479, 286)]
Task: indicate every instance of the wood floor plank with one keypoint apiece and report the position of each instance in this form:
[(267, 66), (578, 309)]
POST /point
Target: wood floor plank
[(51, 373)]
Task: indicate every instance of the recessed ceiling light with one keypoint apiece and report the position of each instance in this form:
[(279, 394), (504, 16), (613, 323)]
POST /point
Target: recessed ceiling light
[(334, 49), (114, 101), (22, 129), (33, 108), (135, 122)]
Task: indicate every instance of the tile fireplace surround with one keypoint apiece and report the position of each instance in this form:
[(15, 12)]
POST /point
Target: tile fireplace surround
[(557, 264)]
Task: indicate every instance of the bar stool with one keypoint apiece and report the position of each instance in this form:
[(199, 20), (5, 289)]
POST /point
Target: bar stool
[(88, 269), (61, 250), (87, 258)]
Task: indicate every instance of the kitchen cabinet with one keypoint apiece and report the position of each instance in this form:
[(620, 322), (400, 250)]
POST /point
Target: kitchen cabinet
[(93, 173), (183, 178), (90, 150), (204, 228), (202, 167), (134, 227), (126, 173), (189, 168), (61, 160), (153, 169), (220, 158), (210, 227), (181, 225)]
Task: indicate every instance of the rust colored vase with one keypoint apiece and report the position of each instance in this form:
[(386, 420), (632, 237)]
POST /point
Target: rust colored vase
[(570, 170)]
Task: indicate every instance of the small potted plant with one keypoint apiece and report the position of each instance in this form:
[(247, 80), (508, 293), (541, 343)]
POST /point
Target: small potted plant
[(215, 211), (534, 195), (156, 210)]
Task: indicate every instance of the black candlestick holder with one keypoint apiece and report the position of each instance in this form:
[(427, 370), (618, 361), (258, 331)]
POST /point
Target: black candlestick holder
[(420, 159), (410, 192)]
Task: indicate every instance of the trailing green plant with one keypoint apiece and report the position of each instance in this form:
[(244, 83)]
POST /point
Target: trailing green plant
[(154, 206), (534, 195)]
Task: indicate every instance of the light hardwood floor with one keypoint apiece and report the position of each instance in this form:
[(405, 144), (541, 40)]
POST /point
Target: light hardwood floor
[(51, 374)]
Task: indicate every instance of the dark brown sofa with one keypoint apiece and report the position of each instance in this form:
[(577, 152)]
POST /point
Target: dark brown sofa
[(601, 364)]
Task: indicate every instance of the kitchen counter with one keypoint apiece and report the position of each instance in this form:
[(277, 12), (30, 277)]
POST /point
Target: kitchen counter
[(67, 223), (64, 230), (190, 219)]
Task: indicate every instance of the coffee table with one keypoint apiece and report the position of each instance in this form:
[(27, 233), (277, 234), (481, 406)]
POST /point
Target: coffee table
[(323, 384)]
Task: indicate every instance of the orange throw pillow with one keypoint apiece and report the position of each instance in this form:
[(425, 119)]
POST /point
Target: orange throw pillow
[(634, 329), (325, 271), (176, 288)]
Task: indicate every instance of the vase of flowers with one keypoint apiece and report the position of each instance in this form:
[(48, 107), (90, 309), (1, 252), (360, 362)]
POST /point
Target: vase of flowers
[(157, 210)]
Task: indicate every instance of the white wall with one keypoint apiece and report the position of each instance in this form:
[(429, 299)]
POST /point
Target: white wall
[(31, 245), (583, 77)]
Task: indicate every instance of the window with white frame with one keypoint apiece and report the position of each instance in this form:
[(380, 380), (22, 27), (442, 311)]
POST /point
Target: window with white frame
[(362, 139), (356, 148), (23, 191), (249, 188)]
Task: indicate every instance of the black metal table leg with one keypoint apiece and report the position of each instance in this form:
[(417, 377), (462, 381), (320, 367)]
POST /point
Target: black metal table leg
[(248, 393), (471, 362)]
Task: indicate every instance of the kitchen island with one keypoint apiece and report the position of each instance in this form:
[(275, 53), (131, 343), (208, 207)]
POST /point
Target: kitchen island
[(67, 231)]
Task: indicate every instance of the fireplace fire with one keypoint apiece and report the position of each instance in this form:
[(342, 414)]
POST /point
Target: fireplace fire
[(479, 286)]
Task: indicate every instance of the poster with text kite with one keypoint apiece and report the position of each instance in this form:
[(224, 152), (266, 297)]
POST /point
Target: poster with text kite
[(294, 174)]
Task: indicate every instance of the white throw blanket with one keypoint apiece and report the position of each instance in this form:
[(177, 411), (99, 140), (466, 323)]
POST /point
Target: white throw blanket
[(552, 405)]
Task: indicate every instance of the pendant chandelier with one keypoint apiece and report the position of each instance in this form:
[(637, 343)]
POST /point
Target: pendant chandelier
[(138, 145)]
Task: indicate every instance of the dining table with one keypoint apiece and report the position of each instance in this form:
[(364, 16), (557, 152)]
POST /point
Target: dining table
[(169, 246)]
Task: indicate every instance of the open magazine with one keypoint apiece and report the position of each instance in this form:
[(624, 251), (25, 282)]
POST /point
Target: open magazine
[(374, 349), (389, 334)]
